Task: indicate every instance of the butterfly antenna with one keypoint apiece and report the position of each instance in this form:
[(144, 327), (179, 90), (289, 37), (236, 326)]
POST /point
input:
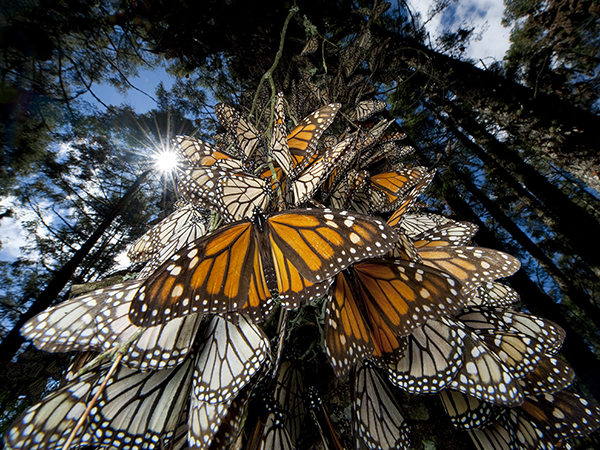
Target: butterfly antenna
[(93, 401)]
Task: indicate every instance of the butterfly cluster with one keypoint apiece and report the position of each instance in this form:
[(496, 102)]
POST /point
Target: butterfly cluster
[(317, 219)]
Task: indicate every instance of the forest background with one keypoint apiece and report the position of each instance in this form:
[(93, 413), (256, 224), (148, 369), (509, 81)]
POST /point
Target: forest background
[(514, 141)]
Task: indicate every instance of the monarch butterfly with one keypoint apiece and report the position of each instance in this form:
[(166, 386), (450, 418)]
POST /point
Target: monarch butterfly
[(200, 153), (396, 296), (278, 414), (289, 393), (503, 434), (302, 140), (350, 57), (241, 265), (470, 265), (99, 321), (417, 223), (492, 293), (450, 234), (235, 195), (467, 412), (377, 420), (397, 217), (368, 108), (235, 352), (431, 359), (279, 143), (231, 424), (344, 191), (245, 136), (484, 376), (138, 407), (312, 45), (549, 376), (184, 225), (367, 140), (327, 429), (305, 183), (115, 419), (516, 350), (547, 333), (563, 414), (388, 188)]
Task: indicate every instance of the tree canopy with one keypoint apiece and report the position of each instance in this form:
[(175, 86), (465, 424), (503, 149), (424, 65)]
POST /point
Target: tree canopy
[(514, 146)]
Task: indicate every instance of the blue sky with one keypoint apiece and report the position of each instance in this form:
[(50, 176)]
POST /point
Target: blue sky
[(147, 81), (12, 234), (485, 15)]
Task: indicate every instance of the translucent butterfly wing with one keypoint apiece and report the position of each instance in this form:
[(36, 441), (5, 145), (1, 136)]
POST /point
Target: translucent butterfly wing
[(470, 265), (483, 375), (179, 229), (47, 425), (450, 234), (239, 195), (377, 419), (235, 353), (416, 223), (154, 348), (302, 140), (70, 325), (517, 351), (310, 179), (493, 293), (494, 437), (547, 333), (137, 406), (432, 358), (198, 185), (197, 153), (467, 412), (279, 144), (203, 423), (246, 137), (549, 376)]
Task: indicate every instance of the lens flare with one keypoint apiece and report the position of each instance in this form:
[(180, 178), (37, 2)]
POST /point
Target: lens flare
[(166, 161)]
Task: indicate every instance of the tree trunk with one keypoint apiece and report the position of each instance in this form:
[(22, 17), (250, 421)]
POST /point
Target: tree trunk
[(575, 349), (576, 295), (12, 342), (565, 212), (562, 132)]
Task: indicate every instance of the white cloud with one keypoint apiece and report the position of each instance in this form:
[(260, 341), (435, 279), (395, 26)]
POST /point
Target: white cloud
[(483, 14)]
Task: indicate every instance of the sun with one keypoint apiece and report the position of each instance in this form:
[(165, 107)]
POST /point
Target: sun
[(166, 161)]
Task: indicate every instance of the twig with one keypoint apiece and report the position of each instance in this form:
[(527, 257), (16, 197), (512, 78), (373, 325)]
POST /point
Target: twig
[(93, 402), (269, 73)]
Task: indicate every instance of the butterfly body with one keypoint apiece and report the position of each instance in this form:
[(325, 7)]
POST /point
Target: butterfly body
[(241, 266)]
